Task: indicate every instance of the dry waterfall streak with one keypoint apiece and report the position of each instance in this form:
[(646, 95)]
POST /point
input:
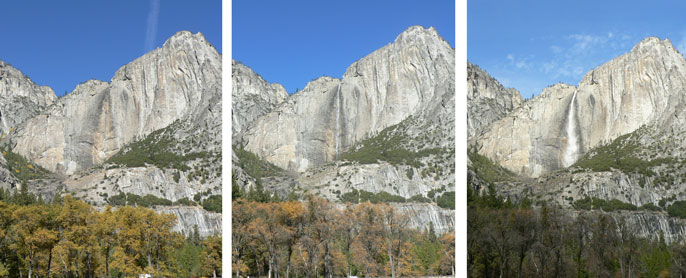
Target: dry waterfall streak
[(338, 115), (572, 141)]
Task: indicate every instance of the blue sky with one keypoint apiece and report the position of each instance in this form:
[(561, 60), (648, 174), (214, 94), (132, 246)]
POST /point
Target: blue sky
[(63, 43), (529, 45), (294, 42)]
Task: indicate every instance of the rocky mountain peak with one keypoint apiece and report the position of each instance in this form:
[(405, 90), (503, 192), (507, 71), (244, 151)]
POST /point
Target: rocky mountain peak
[(643, 87), (653, 47), (182, 44), (90, 85), (20, 97), (252, 96), (11, 76), (174, 82), (487, 99), (418, 33), (413, 76), (321, 82), (650, 57), (186, 38), (416, 44), (556, 89), (653, 42)]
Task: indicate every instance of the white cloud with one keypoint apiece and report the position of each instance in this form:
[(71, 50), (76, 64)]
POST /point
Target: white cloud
[(583, 53), (568, 58), (548, 67), (520, 63), (587, 42)]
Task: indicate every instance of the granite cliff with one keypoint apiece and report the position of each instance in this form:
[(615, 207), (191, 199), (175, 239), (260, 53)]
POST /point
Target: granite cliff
[(410, 76), (642, 87), (615, 142), (487, 100), (153, 130), (92, 123), (385, 127)]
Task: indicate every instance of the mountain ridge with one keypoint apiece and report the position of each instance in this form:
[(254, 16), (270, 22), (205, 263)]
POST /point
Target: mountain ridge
[(165, 105), (630, 122), (613, 99), (375, 83), (384, 130), (131, 86)]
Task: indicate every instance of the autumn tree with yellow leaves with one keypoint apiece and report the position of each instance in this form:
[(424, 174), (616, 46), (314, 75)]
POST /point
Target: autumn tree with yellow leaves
[(72, 239), (316, 238)]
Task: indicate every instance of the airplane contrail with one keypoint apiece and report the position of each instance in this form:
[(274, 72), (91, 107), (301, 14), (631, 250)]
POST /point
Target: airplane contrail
[(151, 30)]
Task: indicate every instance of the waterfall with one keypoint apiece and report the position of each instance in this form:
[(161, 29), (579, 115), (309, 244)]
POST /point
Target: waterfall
[(572, 149), (338, 115)]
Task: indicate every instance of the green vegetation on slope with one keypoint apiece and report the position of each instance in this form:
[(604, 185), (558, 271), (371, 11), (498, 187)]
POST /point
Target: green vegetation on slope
[(677, 209), (123, 199), (621, 154), (253, 165), (606, 205), (447, 200), (486, 169), (154, 149), (388, 146), (361, 196), (213, 203), (21, 168)]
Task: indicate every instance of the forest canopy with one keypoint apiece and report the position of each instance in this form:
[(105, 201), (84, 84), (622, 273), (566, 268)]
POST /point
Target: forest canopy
[(70, 238), (316, 238)]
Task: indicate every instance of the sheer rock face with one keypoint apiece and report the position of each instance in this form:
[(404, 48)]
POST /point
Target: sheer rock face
[(20, 98), (208, 223), (408, 83), (252, 97), (487, 100), (92, 123), (413, 76), (531, 139), (644, 87), (422, 216)]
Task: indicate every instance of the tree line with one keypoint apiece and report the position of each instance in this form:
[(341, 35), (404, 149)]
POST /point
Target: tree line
[(516, 240), (70, 238), (317, 238)]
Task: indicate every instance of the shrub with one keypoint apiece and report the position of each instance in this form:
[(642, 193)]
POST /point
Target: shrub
[(184, 202), (605, 205), (21, 168), (154, 149), (213, 203), (419, 199), (409, 172), (487, 169), (621, 154), (388, 146), (255, 166), (364, 196), (677, 209), (177, 176), (650, 207), (447, 200), (130, 199)]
